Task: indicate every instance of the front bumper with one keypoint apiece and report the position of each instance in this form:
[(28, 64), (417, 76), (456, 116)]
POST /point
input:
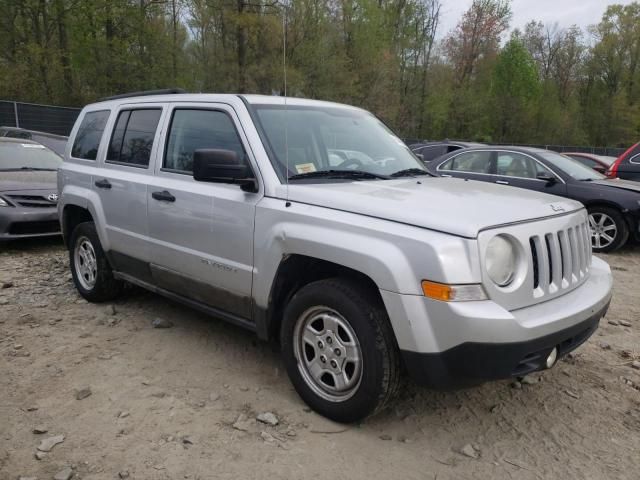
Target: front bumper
[(24, 222), (473, 363), (448, 345)]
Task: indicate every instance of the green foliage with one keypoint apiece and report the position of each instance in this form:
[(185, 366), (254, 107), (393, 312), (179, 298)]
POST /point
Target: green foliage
[(545, 85)]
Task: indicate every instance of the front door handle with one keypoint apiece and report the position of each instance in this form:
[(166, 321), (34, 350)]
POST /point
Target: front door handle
[(163, 196), (502, 182), (104, 183)]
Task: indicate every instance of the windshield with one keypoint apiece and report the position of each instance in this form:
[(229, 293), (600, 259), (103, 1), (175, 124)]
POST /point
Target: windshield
[(331, 138), (17, 155), (571, 167)]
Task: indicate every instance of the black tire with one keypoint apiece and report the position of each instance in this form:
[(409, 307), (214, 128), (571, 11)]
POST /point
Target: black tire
[(105, 287), (622, 228), (380, 360)]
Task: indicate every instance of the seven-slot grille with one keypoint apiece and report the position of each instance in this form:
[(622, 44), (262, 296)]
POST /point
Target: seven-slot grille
[(36, 201), (560, 259)]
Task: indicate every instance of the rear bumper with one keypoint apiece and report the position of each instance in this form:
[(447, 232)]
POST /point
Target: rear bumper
[(19, 222), (473, 363)]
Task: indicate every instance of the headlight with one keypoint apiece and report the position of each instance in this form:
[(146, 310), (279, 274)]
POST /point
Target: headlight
[(3, 203), (501, 260)]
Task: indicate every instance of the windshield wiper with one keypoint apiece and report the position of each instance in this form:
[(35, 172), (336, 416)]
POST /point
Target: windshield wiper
[(28, 169), (354, 174), (409, 172)]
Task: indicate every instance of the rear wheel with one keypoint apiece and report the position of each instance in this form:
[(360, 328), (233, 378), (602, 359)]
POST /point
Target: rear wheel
[(609, 230), (339, 350), (90, 269)]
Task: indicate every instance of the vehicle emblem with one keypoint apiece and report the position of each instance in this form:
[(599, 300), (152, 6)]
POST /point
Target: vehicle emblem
[(557, 208), (53, 197)]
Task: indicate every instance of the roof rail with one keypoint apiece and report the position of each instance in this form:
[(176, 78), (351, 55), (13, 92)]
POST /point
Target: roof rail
[(165, 91)]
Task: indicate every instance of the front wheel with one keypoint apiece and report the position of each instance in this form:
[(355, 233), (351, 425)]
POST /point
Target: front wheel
[(90, 269), (339, 349), (609, 230)]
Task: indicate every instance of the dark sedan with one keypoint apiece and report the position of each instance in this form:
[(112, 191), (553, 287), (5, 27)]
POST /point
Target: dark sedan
[(28, 189), (613, 205)]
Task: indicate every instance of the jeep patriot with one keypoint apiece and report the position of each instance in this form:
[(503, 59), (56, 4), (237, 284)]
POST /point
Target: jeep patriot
[(312, 224)]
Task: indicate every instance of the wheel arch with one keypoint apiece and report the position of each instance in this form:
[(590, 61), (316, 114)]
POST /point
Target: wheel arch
[(294, 272)]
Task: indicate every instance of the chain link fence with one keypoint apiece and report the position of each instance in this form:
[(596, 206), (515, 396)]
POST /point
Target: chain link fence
[(43, 118)]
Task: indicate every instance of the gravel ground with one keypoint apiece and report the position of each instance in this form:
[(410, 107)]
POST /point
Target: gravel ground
[(133, 401)]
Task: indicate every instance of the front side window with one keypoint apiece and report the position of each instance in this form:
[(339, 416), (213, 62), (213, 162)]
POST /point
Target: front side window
[(471, 162), (311, 139), (193, 129), (133, 136), (87, 139)]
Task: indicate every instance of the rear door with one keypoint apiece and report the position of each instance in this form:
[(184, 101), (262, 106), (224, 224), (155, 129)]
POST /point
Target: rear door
[(520, 170), (122, 185), (202, 233)]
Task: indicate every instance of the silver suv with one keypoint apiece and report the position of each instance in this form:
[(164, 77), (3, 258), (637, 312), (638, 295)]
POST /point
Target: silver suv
[(311, 223)]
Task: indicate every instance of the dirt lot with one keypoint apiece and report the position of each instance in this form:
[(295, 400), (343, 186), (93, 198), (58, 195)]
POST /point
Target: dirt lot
[(163, 402)]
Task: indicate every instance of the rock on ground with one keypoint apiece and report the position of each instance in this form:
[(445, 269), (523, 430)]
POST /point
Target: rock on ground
[(48, 443)]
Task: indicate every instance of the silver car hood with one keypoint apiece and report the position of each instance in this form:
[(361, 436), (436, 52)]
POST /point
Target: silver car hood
[(27, 180), (451, 205)]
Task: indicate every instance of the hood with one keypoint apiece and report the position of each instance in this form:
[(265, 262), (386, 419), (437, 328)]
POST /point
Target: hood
[(618, 183), (19, 181), (451, 205)]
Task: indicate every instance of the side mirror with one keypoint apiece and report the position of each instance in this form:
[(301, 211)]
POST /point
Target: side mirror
[(223, 166), (420, 157), (545, 177)]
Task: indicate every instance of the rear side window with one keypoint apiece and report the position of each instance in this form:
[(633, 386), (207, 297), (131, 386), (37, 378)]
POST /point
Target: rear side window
[(89, 134), (472, 162), (191, 130), (133, 136)]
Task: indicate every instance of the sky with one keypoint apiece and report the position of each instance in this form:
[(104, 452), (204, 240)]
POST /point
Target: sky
[(565, 12)]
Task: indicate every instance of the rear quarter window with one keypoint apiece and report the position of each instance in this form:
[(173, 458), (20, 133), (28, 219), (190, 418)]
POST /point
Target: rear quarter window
[(87, 140)]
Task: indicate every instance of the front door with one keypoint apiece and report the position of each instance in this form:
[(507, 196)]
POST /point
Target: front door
[(519, 170), (201, 233)]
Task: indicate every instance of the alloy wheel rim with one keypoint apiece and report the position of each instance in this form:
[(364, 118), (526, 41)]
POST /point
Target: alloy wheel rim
[(328, 354), (86, 265), (603, 230)]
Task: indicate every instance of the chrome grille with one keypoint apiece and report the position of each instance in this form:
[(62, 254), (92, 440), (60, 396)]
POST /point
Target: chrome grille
[(560, 259), (35, 201)]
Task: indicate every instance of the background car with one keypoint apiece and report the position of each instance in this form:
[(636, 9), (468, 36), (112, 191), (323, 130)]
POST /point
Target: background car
[(600, 163), (57, 143), (432, 150), (627, 166), (613, 204), (28, 189)]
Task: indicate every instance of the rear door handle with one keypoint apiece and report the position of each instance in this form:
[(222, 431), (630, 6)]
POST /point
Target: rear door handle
[(502, 182), (104, 183), (163, 196)]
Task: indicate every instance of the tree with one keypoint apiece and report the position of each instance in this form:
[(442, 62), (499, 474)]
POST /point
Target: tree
[(514, 89)]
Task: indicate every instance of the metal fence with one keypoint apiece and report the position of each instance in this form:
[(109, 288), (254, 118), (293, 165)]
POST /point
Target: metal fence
[(606, 151), (43, 118)]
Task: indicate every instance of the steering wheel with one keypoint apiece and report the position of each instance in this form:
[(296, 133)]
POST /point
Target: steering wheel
[(351, 162)]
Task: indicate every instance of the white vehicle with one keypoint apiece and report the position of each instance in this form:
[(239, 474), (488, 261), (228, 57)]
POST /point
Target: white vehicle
[(236, 205)]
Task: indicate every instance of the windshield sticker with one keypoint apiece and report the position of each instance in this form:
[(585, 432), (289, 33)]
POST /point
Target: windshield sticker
[(32, 145), (305, 168)]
